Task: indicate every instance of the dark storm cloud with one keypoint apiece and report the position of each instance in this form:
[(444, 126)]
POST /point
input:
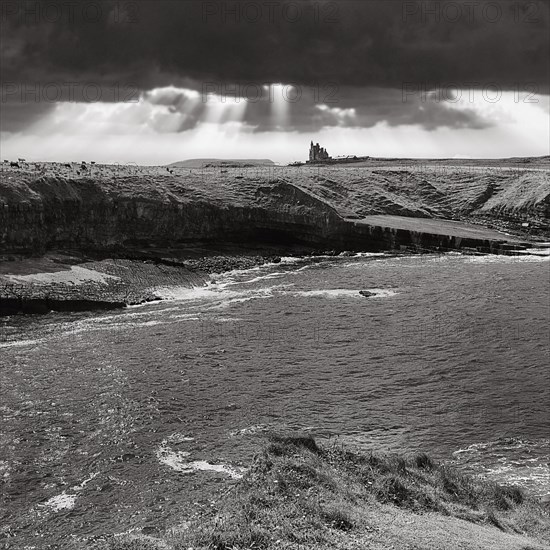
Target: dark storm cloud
[(122, 48), (18, 116), (370, 42)]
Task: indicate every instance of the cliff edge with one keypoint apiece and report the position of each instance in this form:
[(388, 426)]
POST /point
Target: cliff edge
[(297, 494), (114, 212)]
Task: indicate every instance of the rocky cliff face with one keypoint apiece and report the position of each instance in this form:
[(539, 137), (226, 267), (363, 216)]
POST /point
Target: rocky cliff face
[(487, 193), (56, 213), (109, 213)]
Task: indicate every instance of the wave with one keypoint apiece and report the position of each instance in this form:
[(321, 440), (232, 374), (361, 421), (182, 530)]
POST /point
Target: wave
[(179, 438), (251, 430), (216, 296), (285, 260), (67, 501), (345, 293), (510, 460), (523, 258), (187, 294), (276, 275), (371, 254), (178, 461), (63, 501), (20, 343)]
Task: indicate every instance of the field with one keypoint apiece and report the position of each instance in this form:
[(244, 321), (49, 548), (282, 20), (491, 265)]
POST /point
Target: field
[(502, 193)]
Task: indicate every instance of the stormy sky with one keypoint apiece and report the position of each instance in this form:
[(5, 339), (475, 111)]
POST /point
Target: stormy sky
[(155, 81)]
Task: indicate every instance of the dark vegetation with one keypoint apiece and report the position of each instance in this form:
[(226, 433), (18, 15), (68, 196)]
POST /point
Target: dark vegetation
[(300, 495)]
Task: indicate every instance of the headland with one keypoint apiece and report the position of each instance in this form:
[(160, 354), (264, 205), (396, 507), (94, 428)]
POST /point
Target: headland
[(73, 234)]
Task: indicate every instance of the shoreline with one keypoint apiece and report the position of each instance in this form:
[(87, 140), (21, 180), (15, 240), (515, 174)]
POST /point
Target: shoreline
[(59, 282)]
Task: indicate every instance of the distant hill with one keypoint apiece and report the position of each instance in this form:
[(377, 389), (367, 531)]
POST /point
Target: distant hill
[(230, 163)]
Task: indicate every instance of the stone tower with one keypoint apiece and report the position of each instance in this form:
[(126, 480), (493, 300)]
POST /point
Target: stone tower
[(316, 153)]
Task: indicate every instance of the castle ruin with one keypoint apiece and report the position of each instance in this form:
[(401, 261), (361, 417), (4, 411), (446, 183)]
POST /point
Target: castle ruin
[(318, 153)]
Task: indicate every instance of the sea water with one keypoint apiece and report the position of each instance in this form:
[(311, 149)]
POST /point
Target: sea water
[(131, 420)]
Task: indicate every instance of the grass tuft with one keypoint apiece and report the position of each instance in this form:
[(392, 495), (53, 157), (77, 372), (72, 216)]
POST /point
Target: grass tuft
[(284, 444), (424, 462), (338, 518)]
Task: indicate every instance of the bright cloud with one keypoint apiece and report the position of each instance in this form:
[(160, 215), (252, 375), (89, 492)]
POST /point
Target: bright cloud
[(170, 123)]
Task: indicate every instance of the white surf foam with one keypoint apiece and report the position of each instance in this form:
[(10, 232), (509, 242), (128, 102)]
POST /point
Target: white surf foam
[(261, 293), (275, 275), (61, 502), (250, 430), (20, 343), (67, 501), (187, 294), (179, 438), (494, 259), (4, 469), (290, 260), (202, 465), (345, 293), (178, 461), (216, 296), (369, 254), (232, 277), (510, 460), (84, 483)]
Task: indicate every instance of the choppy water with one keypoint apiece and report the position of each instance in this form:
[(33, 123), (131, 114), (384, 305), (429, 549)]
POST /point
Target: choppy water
[(133, 419)]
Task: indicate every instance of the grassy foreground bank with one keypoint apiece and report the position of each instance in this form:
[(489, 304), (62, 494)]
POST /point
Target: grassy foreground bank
[(300, 495)]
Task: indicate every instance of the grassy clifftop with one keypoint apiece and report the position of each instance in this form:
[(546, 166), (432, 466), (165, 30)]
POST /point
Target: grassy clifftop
[(48, 206), (299, 495)]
